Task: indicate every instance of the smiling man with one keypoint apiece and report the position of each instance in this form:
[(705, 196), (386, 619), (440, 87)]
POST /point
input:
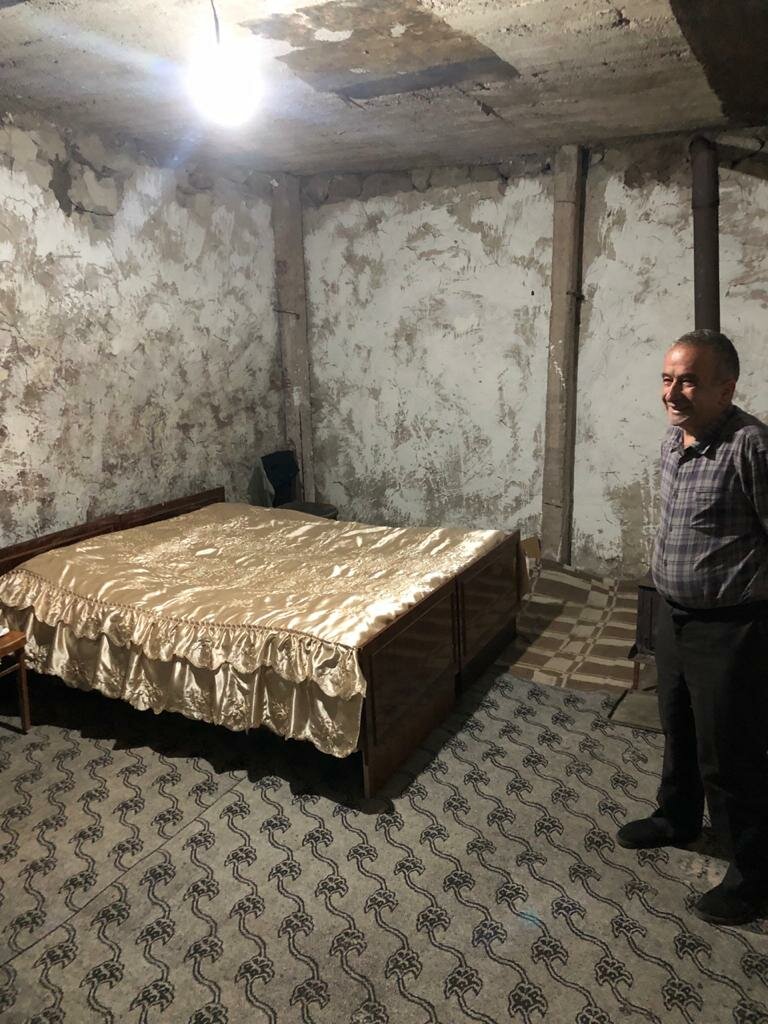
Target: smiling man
[(710, 566)]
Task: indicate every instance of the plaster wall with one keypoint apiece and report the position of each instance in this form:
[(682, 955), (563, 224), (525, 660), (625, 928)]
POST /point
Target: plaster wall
[(428, 328), (138, 341), (638, 288)]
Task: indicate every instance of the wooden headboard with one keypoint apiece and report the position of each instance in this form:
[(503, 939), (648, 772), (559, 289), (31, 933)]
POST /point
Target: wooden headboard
[(12, 556)]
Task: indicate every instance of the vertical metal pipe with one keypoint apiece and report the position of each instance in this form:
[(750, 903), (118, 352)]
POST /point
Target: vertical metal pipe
[(706, 240), (564, 320), (292, 326)]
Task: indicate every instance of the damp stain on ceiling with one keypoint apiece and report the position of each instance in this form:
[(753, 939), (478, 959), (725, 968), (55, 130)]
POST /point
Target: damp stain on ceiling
[(388, 84)]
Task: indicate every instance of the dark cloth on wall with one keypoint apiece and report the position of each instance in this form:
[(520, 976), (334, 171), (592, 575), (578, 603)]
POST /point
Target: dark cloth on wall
[(281, 469)]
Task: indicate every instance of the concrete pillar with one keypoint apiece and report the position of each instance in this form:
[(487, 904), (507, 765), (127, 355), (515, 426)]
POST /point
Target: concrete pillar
[(560, 423), (292, 325)]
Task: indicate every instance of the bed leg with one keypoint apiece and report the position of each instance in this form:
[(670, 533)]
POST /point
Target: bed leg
[(367, 790), (365, 747)]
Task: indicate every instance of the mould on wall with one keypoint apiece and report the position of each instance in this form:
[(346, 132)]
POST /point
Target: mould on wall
[(448, 177), (385, 184), (138, 343), (61, 183), (658, 162), (638, 269), (318, 189), (420, 178), (428, 320), (344, 186)]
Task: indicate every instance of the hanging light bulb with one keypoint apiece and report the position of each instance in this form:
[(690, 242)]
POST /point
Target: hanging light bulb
[(222, 78)]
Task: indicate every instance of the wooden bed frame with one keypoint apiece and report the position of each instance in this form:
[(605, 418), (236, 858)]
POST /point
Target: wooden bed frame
[(414, 668)]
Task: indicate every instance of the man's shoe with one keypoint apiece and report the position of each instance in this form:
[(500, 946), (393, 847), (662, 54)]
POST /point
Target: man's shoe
[(650, 833), (726, 905)]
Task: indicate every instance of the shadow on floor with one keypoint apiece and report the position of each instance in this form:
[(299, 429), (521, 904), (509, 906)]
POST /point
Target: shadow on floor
[(258, 753)]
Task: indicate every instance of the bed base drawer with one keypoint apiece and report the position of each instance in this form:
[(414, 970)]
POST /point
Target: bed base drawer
[(411, 673), (403, 671), (489, 595)]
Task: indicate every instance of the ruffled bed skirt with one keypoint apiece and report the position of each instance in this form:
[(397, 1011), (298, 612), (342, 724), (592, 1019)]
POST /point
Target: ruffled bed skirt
[(291, 655), (224, 695)]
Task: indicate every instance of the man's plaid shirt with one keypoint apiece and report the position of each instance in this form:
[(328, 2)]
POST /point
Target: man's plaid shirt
[(712, 546)]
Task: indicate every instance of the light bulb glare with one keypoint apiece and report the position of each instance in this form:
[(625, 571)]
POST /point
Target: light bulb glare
[(223, 82)]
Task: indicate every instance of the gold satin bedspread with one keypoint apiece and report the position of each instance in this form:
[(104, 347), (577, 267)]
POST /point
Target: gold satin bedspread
[(238, 615)]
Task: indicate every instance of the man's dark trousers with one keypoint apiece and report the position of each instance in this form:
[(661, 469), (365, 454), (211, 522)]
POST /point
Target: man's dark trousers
[(713, 699)]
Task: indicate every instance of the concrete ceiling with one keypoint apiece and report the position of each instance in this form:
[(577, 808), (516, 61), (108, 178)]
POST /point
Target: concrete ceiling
[(386, 84)]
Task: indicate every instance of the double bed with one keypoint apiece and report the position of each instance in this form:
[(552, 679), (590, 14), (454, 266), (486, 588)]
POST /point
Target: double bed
[(351, 636)]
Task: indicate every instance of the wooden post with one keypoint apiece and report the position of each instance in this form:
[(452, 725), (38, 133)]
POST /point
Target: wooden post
[(292, 326), (560, 423)]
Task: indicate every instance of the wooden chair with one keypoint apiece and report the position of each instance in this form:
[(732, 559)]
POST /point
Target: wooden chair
[(12, 643)]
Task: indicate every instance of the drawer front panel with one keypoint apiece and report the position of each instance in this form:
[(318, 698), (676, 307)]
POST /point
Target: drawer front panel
[(489, 600), (404, 670)]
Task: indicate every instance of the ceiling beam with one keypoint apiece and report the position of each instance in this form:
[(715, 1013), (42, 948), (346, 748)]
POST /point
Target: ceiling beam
[(728, 38)]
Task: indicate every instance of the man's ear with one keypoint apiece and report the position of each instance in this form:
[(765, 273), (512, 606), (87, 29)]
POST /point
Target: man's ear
[(729, 386)]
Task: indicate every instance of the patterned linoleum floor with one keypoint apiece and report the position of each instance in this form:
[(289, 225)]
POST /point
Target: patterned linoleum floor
[(155, 870)]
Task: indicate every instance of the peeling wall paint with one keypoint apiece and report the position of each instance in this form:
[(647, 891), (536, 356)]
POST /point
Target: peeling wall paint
[(139, 357), (744, 281), (138, 342), (428, 327), (638, 287)]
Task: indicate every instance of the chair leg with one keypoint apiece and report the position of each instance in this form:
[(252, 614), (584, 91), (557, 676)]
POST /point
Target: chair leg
[(26, 719)]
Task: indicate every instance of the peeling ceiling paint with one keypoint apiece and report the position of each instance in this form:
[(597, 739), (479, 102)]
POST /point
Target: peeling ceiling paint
[(393, 47)]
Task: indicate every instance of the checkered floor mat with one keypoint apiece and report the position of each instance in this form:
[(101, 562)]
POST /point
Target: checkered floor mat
[(575, 630)]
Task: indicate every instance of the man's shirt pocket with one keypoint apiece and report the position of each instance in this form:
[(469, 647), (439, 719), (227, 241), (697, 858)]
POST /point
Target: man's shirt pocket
[(709, 509)]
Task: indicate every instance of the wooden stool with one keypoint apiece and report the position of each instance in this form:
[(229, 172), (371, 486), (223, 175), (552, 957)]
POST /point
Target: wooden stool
[(13, 643)]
